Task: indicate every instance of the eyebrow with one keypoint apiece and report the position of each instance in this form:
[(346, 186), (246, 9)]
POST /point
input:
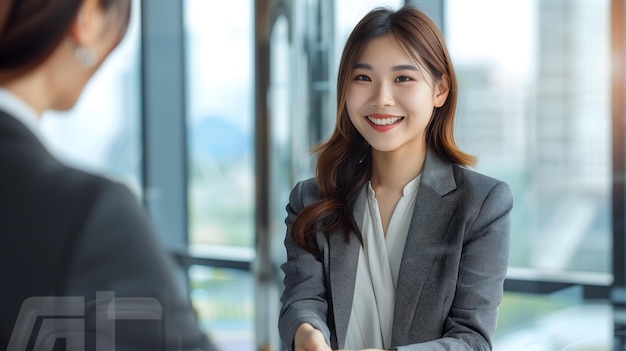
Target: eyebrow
[(404, 67), (394, 68)]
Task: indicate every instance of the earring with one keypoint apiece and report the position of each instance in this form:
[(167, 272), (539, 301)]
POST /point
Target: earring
[(364, 154), (85, 56)]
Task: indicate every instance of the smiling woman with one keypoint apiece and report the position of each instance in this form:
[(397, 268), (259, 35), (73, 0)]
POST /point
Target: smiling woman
[(66, 232), (394, 219)]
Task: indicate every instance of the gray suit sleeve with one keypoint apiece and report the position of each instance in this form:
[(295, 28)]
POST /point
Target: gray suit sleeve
[(118, 253), (484, 261), (304, 297)]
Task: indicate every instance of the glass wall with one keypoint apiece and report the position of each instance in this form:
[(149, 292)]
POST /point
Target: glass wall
[(554, 322), (224, 301), (535, 108), (219, 61), (220, 123)]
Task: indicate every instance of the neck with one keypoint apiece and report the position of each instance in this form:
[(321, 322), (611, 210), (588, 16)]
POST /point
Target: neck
[(31, 88), (394, 170)]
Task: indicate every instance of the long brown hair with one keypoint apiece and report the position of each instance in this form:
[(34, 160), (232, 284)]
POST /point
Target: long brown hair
[(344, 162), (30, 30)]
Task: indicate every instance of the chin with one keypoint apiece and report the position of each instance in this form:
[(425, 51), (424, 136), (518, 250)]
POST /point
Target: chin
[(385, 148), (64, 105)]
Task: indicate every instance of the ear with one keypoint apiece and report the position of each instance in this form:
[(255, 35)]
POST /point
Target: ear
[(87, 23), (442, 88)]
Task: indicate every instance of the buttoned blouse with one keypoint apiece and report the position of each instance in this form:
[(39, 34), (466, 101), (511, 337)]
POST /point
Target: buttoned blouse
[(371, 316)]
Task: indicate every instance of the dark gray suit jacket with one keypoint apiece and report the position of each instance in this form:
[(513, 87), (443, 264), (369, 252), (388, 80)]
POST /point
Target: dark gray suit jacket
[(67, 233), (451, 275)]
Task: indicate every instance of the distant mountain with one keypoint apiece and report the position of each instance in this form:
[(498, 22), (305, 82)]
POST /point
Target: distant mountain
[(217, 139)]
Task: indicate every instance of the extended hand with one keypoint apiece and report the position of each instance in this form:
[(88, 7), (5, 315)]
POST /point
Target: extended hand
[(309, 339)]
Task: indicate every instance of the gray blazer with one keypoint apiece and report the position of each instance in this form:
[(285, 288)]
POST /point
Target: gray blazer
[(67, 233), (451, 275)]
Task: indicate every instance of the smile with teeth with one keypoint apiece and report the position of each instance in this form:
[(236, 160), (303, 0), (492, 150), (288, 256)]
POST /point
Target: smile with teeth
[(384, 121)]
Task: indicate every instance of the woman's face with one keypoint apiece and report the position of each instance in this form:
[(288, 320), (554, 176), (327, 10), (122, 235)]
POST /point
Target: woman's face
[(390, 97)]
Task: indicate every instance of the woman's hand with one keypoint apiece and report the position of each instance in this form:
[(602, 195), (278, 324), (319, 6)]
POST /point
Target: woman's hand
[(309, 339)]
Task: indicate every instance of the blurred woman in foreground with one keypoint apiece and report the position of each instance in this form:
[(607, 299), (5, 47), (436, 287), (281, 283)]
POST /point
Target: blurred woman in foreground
[(76, 249)]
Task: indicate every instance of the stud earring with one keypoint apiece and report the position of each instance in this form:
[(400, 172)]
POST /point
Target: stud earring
[(364, 154), (86, 57)]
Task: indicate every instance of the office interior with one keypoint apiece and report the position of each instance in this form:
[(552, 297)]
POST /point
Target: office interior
[(209, 109)]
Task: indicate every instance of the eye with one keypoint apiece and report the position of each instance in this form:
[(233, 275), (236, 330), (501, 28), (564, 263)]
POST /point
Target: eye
[(401, 79), (363, 78)]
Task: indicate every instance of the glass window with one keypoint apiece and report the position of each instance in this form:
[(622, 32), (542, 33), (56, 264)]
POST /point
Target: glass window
[(220, 123), (349, 12), (559, 321), (102, 132), (224, 302), (220, 132), (534, 106)]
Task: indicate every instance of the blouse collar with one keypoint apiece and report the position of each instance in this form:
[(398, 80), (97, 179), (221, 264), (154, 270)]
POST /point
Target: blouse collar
[(409, 189)]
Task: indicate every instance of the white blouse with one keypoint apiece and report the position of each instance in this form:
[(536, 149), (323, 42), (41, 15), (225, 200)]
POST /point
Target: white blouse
[(371, 318)]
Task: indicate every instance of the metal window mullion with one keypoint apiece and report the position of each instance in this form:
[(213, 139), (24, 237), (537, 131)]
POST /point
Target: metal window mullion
[(164, 126)]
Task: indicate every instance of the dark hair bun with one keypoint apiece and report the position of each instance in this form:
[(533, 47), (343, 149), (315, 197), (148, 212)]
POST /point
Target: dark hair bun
[(31, 29)]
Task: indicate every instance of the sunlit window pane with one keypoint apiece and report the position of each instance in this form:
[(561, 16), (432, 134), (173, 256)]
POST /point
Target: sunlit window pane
[(220, 133), (224, 302), (559, 321), (220, 122), (535, 108)]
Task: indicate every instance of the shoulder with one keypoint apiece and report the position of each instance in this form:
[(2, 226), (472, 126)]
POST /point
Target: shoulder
[(479, 185), (484, 199), (97, 211), (92, 191), (304, 193), (33, 174), (109, 206), (465, 176), (65, 199)]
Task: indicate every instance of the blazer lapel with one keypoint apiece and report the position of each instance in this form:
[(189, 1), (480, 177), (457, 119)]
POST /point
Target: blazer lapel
[(430, 218), (343, 260)]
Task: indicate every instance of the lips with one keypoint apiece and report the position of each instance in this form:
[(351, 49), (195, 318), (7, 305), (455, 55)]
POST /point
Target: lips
[(383, 122)]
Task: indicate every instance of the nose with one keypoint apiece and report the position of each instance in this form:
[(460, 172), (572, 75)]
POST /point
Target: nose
[(382, 95)]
